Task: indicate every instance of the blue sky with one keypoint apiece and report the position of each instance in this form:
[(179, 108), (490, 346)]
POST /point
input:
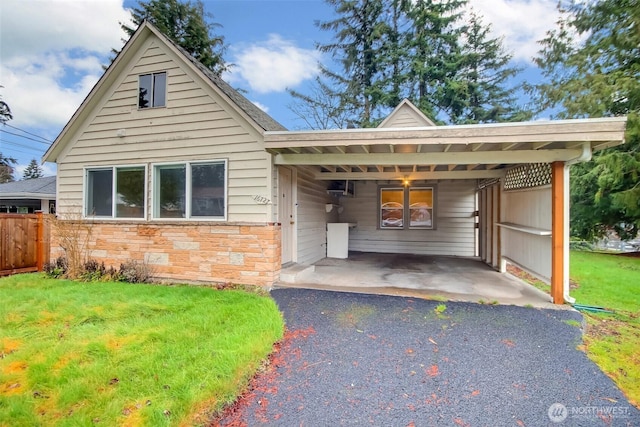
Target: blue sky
[(51, 52)]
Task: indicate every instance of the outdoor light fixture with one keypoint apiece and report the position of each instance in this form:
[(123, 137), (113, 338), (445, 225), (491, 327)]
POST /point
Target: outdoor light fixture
[(405, 181)]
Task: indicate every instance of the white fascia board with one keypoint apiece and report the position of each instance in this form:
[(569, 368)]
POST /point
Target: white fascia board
[(408, 159)]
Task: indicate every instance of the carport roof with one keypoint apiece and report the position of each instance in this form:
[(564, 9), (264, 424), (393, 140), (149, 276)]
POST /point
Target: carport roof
[(442, 152)]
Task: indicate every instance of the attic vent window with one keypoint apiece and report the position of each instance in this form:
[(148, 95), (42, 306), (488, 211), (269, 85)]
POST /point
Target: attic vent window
[(152, 90)]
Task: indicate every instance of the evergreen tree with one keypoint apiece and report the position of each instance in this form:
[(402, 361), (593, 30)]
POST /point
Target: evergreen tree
[(6, 163), (480, 92), (435, 53), (33, 170), (6, 168), (387, 50), (358, 31), (184, 23), (598, 76), (395, 54), (5, 111)]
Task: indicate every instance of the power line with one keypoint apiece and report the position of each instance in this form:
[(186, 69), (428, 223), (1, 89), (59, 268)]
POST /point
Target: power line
[(29, 133), (23, 145), (20, 149), (11, 150), (26, 137)]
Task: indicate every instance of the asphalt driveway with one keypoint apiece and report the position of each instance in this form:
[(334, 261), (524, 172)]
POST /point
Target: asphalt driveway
[(357, 359)]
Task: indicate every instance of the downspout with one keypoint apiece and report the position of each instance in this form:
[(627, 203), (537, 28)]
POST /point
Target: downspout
[(585, 156)]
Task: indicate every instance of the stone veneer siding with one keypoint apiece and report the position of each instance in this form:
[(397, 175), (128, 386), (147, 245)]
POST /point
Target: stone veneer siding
[(190, 252)]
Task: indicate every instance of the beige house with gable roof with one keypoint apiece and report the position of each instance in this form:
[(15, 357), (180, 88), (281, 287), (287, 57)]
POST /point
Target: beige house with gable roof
[(175, 168)]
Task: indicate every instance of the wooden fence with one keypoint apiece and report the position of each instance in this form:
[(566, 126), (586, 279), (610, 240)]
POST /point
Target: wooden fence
[(24, 243)]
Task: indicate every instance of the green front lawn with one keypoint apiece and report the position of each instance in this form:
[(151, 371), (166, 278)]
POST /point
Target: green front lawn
[(611, 341), (113, 353)]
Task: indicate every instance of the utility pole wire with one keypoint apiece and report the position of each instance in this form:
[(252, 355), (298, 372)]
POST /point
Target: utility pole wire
[(26, 137), (29, 133)]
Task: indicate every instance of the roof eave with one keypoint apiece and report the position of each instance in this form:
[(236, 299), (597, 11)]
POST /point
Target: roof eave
[(601, 132), (21, 196)]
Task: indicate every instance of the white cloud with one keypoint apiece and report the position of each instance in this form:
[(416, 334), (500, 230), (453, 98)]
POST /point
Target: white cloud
[(521, 22), (35, 27), (36, 93), (274, 65), (261, 106), (52, 53)]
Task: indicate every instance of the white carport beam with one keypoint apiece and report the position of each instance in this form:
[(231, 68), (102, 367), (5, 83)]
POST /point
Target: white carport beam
[(409, 159), (412, 176)]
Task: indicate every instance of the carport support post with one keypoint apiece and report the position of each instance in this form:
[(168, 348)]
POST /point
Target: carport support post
[(557, 231)]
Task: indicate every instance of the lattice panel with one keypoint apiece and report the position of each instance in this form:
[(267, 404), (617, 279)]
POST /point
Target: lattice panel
[(527, 176)]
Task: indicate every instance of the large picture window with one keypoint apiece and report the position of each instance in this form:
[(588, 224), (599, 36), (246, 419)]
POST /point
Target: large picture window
[(401, 207), (191, 190), (115, 192), (152, 90)]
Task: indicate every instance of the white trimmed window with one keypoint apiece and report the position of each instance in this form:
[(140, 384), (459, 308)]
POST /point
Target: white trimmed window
[(190, 190), (115, 192), (402, 207), (152, 90)]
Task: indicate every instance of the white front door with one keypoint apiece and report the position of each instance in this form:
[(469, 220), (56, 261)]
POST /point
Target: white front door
[(286, 212)]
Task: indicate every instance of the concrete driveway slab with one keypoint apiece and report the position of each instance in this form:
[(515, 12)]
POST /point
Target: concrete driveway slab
[(454, 278), (357, 359)]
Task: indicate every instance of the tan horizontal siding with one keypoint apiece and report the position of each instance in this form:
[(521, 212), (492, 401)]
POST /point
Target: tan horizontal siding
[(159, 117), (454, 233), (193, 126), (168, 149), (312, 218)]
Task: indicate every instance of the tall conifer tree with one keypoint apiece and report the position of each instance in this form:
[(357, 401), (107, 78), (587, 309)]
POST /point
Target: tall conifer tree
[(184, 22), (591, 62), (480, 91)]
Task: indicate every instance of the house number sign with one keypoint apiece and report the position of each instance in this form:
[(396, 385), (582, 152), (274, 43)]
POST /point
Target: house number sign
[(261, 200)]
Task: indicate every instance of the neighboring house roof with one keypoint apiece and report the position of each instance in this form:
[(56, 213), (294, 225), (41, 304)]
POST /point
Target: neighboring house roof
[(37, 188), (257, 118)]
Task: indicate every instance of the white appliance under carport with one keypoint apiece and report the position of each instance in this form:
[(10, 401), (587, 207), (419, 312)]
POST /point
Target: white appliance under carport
[(338, 239)]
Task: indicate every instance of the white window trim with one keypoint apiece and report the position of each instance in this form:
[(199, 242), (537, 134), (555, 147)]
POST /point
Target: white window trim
[(85, 189), (188, 217)]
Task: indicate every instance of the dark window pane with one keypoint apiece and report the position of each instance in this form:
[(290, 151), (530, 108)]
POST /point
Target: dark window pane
[(171, 191), (130, 192), (159, 89), (144, 92), (99, 193), (207, 190)]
